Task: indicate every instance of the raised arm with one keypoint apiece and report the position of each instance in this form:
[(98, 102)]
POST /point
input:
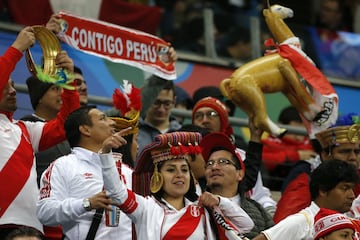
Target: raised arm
[(115, 188), (8, 61), (253, 157), (53, 131)]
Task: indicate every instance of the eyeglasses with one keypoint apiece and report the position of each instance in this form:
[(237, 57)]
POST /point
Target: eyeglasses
[(79, 81), (220, 162), (166, 103), (210, 115)]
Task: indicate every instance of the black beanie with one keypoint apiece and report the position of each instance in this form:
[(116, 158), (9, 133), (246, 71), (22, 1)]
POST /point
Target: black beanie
[(37, 89)]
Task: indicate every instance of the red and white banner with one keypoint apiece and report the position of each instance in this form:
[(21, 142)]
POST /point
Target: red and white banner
[(118, 44)]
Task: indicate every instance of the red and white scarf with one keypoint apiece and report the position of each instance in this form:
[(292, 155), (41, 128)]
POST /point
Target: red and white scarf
[(322, 91), (118, 44), (226, 230)]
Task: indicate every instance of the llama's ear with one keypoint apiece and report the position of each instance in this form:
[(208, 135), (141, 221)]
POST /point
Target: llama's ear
[(266, 12)]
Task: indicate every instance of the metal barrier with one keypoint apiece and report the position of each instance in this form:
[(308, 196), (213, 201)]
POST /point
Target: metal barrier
[(234, 121)]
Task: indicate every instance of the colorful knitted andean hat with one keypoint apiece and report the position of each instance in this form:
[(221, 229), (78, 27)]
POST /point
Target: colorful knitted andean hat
[(165, 147)]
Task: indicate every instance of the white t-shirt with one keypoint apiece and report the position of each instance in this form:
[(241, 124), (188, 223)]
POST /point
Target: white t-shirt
[(298, 226)]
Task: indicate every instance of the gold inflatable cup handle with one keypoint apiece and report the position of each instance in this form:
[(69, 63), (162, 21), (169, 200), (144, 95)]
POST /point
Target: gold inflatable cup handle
[(50, 46)]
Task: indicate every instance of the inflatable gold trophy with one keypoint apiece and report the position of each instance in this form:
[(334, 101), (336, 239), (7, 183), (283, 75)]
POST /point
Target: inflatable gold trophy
[(50, 46), (273, 73)]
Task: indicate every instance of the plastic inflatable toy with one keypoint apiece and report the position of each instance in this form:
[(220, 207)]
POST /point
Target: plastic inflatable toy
[(269, 74)]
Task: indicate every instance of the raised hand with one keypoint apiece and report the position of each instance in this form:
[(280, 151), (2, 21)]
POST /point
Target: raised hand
[(25, 39), (114, 141), (172, 54), (54, 24), (63, 60)]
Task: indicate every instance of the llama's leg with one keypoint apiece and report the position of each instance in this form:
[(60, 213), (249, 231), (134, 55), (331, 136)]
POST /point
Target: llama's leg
[(297, 93), (246, 94)]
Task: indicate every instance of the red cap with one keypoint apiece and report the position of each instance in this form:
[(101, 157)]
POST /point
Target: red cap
[(219, 141)]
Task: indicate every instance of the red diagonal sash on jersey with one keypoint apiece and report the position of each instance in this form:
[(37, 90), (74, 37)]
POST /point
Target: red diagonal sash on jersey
[(16, 171), (186, 225), (118, 44)]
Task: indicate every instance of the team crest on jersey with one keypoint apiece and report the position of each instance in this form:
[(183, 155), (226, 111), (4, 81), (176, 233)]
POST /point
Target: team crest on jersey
[(195, 211), (88, 175)]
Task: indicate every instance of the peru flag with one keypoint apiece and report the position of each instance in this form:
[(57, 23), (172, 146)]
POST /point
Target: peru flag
[(137, 16)]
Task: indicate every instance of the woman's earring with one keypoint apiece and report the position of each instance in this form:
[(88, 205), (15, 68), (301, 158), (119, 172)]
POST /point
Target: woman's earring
[(156, 181)]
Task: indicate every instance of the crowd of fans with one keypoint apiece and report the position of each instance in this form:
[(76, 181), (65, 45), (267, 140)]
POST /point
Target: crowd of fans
[(151, 176)]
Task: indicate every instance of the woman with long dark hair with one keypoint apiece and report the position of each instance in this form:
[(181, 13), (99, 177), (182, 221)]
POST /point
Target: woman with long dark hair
[(173, 209)]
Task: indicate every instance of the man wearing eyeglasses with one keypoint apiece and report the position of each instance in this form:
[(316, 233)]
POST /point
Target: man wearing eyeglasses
[(156, 114), (211, 114), (224, 173)]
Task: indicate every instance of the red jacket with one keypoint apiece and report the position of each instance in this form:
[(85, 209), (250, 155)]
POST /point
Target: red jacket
[(280, 150), (296, 195)]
